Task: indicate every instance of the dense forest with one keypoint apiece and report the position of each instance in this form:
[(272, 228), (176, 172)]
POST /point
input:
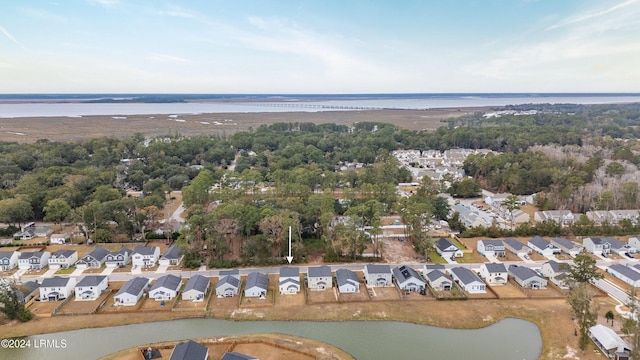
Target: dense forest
[(254, 185)]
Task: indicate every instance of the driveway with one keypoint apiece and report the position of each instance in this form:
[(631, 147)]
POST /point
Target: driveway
[(162, 269), (77, 272)]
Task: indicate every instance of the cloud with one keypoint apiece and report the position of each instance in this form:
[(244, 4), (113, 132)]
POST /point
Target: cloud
[(168, 58), (11, 37), (592, 14), (177, 11)]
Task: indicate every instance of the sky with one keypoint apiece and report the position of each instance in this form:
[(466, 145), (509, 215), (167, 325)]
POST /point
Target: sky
[(320, 46)]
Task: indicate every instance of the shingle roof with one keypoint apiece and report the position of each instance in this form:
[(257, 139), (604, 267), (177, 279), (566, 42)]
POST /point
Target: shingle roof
[(493, 242), (626, 271), (232, 272), (378, 269), (465, 275), (435, 275), (30, 254), (565, 244), (344, 276), (257, 279), (515, 244), (55, 281), (121, 251), (231, 280), (288, 271), (145, 250), (443, 243), (431, 267), (404, 273), (133, 286), (91, 280), (556, 266), (6, 254), (522, 272), (197, 282), (189, 350), (236, 356), (168, 282), (63, 253), (319, 271), (539, 242), (98, 253), (172, 252), (495, 267)]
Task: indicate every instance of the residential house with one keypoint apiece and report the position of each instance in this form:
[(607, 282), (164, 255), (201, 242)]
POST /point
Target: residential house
[(189, 350), (516, 247), (378, 275), (171, 256), (468, 281), (599, 217), (94, 259), (620, 248), (596, 245), (347, 281), (319, 278), (33, 260), (491, 248), (447, 249), (91, 287), (228, 283), (27, 291), (131, 292), (542, 246), (63, 259), (289, 281), (627, 274), (560, 217), (145, 256), (165, 288), (8, 260), (438, 280), (196, 288), (56, 288), (58, 239), (257, 284), (566, 246), (527, 278), (556, 272), (608, 341), (635, 242), (118, 258), (408, 279), (494, 273), (26, 234)]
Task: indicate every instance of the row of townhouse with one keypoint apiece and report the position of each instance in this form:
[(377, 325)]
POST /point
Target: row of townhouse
[(598, 217), (497, 248)]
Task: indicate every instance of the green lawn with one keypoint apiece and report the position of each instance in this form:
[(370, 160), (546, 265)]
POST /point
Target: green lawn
[(435, 258), (66, 271)]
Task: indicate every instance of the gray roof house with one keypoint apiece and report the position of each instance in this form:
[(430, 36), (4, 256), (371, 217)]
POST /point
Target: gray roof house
[(319, 278), (228, 283), (257, 284), (131, 292), (196, 288), (289, 280), (56, 288), (33, 260), (556, 272), (542, 246), (91, 287), (408, 279), (94, 259), (494, 273), (596, 245), (145, 256), (468, 281), (62, 259), (527, 278), (427, 268), (189, 350), (625, 273), (118, 258), (8, 260), (516, 247), (378, 275), (347, 281), (165, 288), (567, 246), (447, 249), (233, 355), (620, 248), (607, 340), (171, 256), (438, 280), (491, 248)]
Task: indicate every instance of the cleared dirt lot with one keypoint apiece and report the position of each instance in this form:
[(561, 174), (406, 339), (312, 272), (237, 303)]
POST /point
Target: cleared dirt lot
[(82, 306), (509, 291), (43, 308), (384, 293), (322, 296)]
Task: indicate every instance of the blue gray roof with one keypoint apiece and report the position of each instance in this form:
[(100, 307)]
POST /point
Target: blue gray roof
[(320, 271), (230, 280), (257, 279), (236, 356), (465, 275), (378, 269), (6, 254), (189, 350), (232, 272), (522, 272), (30, 254), (121, 251), (168, 281), (145, 250), (496, 268), (626, 271), (435, 275), (91, 280), (493, 242), (172, 252), (63, 253), (515, 244), (98, 253), (565, 244), (539, 242), (134, 286), (288, 271), (404, 273), (344, 276), (431, 267), (556, 266), (55, 281), (444, 243), (198, 283)]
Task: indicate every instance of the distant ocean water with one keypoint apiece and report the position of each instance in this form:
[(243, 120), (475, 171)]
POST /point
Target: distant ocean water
[(74, 105)]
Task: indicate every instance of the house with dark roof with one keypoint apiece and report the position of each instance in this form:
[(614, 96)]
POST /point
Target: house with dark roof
[(556, 272), (408, 279), (427, 268), (131, 292), (33, 260), (232, 355), (447, 249), (516, 247), (289, 280), (542, 246), (620, 248), (256, 285), (91, 287), (189, 350), (94, 259), (438, 280), (628, 274), (596, 245), (468, 281), (494, 274), (145, 256), (8, 260), (566, 246), (491, 248), (378, 275), (165, 288), (228, 283), (196, 288), (171, 256), (527, 278), (56, 288), (118, 258), (347, 281), (63, 259), (319, 278)]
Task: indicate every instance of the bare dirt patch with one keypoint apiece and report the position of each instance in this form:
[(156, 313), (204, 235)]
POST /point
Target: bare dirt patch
[(73, 307), (384, 293), (322, 296), (509, 291), (43, 308), (398, 251)]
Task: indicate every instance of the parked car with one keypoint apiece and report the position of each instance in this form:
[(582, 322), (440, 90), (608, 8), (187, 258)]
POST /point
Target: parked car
[(605, 255), (629, 255)]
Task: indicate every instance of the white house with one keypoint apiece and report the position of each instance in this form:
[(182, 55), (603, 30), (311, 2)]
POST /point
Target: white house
[(566, 246), (607, 340), (468, 281), (625, 273), (408, 279), (620, 248), (516, 247), (556, 272), (228, 283), (56, 288), (171, 256), (542, 246), (378, 275), (94, 259), (8, 260), (494, 274), (560, 217), (438, 280), (196, 288), (596, 245), (131, 292), (145, 256), (289, 280), (62, 259), (635, 242), (491, 248), (347, 281), (257, 284), (33, 260), (447, 249), (165, 288), (91, 287), (118, 258), (319, 278), (527, 278), (58, 239)]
